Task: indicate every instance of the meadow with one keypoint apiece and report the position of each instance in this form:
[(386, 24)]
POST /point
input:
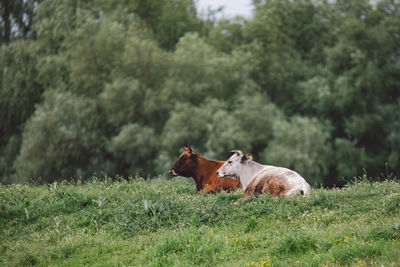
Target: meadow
[(161, 222)]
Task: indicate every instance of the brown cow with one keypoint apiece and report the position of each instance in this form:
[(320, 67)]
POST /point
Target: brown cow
[(203, 171)]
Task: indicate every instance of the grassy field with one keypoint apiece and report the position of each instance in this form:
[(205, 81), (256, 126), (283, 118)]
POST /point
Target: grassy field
[(163, 223)]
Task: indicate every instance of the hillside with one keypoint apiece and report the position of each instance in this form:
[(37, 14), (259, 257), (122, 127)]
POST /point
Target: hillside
[(163, 223)]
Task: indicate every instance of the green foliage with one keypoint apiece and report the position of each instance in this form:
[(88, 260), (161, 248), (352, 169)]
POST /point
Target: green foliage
[(390, 232), (162, 222), (56, 145), (119, 101), (348, 149), (55, 22), (94, 54), (279, 64), (20, 88), (294, 244), (169, 20), (301, 145), (133, 147), (17, 19), (248, 125), (200, 72), (20, 91), (229, 34), (310, 85)]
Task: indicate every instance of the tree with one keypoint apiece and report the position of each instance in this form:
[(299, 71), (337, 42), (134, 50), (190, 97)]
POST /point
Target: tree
[(20, 90), (169, 20), (17, 19), (301, 144), (134, 149), (63, 139)]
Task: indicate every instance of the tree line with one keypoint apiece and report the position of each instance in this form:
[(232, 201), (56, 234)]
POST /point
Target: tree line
[(117, 87)]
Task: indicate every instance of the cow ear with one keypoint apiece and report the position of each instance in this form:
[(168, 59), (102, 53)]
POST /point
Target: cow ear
[(249, 156), (231, 153), (245, 157)]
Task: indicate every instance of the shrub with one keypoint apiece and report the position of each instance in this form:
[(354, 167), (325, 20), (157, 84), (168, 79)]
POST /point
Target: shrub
[(62, 139)]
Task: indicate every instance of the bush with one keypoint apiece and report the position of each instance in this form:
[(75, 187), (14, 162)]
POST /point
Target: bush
[(301, 144), (63, 139)]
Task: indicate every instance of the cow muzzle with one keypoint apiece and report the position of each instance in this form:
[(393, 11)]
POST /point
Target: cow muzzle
[(219, 174), (172, 172)]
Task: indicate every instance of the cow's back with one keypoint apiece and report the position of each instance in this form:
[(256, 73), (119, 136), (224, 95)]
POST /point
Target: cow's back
[(277, 181)]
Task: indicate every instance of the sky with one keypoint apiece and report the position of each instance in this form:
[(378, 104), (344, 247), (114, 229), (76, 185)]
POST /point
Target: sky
[(231, 7)]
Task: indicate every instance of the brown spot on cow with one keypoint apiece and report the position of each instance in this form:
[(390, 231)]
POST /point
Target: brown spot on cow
[(272, 185), (275, 186)]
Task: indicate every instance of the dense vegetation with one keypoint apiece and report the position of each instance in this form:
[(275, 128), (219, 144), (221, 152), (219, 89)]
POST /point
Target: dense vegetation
[(163, 223), (117, 87)]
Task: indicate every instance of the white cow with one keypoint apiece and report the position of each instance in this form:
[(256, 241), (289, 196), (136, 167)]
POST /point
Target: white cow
[(261, 179)]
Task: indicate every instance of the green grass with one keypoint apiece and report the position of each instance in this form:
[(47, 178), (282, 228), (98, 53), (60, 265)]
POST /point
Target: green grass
[(163, 223)]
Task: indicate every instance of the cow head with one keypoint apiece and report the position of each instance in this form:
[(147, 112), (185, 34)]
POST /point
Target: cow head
[(234, 164), (185, 164)]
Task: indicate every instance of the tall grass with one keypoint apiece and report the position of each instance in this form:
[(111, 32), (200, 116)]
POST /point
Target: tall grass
[(163, 223)]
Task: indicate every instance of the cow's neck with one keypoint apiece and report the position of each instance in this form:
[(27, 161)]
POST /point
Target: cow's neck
[(204, 171)]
